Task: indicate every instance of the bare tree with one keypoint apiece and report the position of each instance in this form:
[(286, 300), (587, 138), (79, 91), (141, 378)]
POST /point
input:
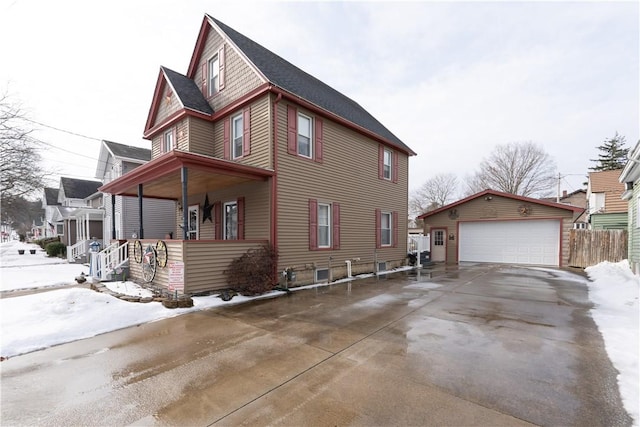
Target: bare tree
[(21, 173), (434, 193), (521, 168)]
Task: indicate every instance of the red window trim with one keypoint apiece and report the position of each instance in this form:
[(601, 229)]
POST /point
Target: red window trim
[(334, 226), (292, 135)]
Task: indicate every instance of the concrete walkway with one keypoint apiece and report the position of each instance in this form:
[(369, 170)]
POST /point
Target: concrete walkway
[(476, 345)]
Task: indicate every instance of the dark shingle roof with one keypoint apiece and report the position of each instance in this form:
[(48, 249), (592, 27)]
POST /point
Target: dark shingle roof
[(78, 188), (51, 195), (187, 91), (292, 79), (128, 152)]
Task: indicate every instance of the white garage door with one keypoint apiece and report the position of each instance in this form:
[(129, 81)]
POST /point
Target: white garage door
[(515, 242)]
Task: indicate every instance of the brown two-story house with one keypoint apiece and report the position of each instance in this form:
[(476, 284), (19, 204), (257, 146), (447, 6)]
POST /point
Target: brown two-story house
[(256, 151)]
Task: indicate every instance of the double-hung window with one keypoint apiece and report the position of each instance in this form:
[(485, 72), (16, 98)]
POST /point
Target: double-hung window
[(387, 164), (305, 148), (168, 141), (385, 228), (231, 221), (214, 75), (324, 225), (236, 136)]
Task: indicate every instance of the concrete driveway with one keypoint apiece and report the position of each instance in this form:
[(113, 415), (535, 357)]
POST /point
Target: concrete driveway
[(474, 345)]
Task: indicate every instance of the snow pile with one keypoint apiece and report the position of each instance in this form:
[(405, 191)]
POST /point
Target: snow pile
[(615, 290)]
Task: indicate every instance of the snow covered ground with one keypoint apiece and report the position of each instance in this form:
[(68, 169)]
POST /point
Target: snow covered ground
[(41, 320)]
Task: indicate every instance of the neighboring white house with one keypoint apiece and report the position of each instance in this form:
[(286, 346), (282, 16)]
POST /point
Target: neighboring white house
[(159, 215)]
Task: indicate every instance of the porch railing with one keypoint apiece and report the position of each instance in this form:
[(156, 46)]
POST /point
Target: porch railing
[(418, 244), (109, 259), (77, 250)]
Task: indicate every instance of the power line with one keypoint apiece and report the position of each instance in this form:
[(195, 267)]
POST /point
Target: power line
[(63, 130), (62, 149)]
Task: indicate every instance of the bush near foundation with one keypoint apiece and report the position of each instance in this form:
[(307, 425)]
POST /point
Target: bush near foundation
[(254, 272), (56, 249)]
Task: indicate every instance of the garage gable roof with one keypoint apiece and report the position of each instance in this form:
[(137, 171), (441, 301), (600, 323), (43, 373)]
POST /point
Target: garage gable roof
[(487, 193)]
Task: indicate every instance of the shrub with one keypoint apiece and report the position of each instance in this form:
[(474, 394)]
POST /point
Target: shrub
[(56, 249), (45, 241), (254, 272)]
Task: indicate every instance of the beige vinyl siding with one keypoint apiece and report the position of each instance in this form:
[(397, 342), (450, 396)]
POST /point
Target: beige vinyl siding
[(257, 208), (240, 78), (200, 136), (261, 146), (497, 209), (348, 176), (207, 262)]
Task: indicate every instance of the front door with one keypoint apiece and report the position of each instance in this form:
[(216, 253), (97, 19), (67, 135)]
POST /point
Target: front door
[(438, 245)]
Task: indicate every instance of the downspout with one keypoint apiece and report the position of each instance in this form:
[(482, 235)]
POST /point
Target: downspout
[(141, 225), (185, 200), (274, 183)]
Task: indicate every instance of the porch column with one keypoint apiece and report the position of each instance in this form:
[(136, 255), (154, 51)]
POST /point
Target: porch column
[(185, 201), (87, 226), (141, 225), (113, 216)]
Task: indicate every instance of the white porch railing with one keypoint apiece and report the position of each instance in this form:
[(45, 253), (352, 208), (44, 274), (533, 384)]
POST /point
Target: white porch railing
[(76, 251), (109, 259), (418, 244)]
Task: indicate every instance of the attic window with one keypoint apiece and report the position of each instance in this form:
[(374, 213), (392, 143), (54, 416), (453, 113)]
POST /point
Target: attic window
[(214, 75)]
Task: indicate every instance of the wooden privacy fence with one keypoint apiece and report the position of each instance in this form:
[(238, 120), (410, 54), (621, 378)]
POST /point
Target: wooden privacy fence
[(590, 247)]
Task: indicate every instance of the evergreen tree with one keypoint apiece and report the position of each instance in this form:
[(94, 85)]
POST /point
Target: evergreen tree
[(613, 154)]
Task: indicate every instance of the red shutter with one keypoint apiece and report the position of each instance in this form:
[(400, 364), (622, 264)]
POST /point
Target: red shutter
[(221, 62), (394, 237), (205, 92), (227, 142), (217, 219), (246, 134), (313, 224), (240, 203), (319, 141), (394, 171), (162, 144), (378, 240), (381, 162), (336, 226), (292, 130)]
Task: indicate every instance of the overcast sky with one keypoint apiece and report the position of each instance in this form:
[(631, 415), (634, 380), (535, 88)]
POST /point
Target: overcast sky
[(451, 79)]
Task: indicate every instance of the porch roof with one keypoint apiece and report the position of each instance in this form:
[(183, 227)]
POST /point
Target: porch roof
[(161, 177)]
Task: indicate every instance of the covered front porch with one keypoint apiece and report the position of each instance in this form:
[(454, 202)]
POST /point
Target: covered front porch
[(223, 209)]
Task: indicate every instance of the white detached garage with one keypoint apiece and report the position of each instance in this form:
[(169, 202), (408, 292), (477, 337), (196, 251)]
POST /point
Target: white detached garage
[(495, 227)]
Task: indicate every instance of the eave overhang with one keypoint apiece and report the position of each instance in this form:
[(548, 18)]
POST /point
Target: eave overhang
[(161, 178)]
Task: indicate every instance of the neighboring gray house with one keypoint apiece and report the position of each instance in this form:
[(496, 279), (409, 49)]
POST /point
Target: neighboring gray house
[(79, 211), (53, 223), (630, 178), (159, 215)]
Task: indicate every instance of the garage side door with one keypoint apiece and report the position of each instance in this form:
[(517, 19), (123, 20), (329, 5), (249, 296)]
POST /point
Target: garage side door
[(534, 242)]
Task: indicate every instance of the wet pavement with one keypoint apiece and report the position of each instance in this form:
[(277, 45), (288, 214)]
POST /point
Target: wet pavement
[(472, 345)]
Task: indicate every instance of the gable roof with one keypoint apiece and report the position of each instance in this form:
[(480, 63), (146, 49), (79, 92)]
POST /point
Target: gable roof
[(501, 194), (122, 152), (51, 196), (127, 152), (189, 95), (279, 73), (78, 188)]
